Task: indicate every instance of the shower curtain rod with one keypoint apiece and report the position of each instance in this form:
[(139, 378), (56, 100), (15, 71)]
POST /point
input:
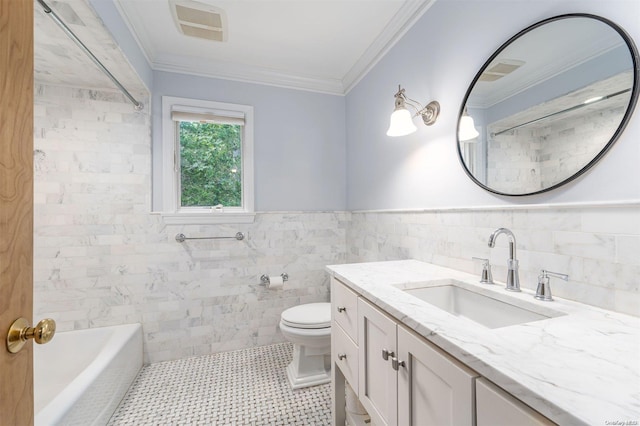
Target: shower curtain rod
[(138, 106), (603, 98)]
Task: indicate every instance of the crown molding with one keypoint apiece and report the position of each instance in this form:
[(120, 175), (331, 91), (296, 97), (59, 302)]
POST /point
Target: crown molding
[(141, 39), (245, 73), (401, 22)]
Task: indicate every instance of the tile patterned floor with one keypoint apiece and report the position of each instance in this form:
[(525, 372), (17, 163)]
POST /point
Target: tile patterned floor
[(244, 387)]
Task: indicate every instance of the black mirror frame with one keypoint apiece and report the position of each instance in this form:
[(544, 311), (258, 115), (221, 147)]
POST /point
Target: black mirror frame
[(635, 58)]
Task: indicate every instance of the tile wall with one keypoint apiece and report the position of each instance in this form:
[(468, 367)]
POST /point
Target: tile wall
[(597, 246), (101, 258)]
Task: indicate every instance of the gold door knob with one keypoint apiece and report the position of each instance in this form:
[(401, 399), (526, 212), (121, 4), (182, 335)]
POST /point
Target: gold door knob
[(20, 332)]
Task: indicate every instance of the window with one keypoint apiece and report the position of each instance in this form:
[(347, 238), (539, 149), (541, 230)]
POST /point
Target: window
[(207, 162)]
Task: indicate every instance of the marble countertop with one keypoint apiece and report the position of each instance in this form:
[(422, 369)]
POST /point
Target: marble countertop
[(582, 367)]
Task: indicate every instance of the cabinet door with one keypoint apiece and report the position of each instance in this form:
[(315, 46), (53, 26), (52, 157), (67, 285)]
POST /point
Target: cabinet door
[(433, 388), (378, 385), (497, 408)]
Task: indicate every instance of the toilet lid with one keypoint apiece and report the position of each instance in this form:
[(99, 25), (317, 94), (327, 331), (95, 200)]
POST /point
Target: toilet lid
[(311, 315)]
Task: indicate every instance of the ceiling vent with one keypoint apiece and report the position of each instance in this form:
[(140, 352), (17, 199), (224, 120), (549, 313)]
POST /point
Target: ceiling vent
[(499, 70), (195, 19)]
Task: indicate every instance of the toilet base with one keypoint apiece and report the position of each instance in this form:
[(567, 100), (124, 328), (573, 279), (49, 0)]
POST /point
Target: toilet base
[(309, 367)]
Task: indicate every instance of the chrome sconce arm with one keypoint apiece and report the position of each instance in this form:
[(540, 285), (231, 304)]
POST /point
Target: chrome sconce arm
[(428, 113), (401, 119)]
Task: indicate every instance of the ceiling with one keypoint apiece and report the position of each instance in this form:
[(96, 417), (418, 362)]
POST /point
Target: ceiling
[(318, 45), (545, 52)]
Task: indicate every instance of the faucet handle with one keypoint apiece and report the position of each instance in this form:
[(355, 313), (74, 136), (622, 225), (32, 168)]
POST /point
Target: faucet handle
[(543, 291), (486, 277)]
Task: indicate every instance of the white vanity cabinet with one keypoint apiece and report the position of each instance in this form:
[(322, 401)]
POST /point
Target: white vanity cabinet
[(344, 332), (344, 346), (344, 308), (495, 407), (433, 388), (378, 381), (402, 379), (417, 384)]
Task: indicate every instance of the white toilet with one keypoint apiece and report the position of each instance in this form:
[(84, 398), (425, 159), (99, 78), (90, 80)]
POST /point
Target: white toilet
[(308, 327)]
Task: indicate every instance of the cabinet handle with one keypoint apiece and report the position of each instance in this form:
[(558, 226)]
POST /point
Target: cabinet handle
[(386, 354), (396, 364), (342, 356), (341, 309)]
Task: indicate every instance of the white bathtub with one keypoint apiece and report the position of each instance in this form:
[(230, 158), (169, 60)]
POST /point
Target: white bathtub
[(81, 376)]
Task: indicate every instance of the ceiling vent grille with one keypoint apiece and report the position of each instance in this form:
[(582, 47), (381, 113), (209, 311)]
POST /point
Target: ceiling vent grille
[(499, 70), (195, 19)]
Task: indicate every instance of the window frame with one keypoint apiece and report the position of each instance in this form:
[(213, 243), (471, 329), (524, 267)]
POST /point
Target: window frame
[(172, 212)]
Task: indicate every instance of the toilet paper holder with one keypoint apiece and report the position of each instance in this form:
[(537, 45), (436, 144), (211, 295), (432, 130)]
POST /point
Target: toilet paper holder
[(264, 279)]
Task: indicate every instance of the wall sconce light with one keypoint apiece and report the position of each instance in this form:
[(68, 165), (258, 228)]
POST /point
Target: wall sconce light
[(466, 128), (401, 122)]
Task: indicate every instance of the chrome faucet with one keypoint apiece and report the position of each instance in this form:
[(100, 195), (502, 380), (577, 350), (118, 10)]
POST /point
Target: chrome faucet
[(544, 289), (513, 280), (486, 277)]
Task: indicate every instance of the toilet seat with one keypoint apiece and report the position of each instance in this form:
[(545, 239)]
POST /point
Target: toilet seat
[(309, 316)]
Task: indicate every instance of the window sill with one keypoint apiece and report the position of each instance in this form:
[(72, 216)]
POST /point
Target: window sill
[(207, 218)]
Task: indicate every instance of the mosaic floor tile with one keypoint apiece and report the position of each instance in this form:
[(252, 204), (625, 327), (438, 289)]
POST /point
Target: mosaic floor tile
[(244, 387)]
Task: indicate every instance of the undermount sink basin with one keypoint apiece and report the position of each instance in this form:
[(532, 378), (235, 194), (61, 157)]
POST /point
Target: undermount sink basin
[(452, 296)]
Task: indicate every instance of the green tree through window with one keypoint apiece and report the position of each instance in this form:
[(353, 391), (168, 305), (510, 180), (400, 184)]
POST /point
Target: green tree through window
[(210, 164)]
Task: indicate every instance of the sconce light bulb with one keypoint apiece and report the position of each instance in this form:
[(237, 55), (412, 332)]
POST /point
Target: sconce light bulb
[(467, 129), (401, 123), (594, 99)]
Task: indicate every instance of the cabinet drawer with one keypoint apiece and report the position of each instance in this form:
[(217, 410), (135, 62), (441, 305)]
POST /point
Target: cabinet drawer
[(495, 407), (344, 308), (345, 355)]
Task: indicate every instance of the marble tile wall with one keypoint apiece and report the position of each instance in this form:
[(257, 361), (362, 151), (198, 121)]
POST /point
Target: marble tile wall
[(545, 153), (572, 142), (597, 246), (102, 259)]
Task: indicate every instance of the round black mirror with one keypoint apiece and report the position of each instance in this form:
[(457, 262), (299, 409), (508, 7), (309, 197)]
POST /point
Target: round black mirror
[(548, 104)]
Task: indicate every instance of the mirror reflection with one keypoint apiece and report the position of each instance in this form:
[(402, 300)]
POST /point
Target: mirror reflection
[(547, 105)]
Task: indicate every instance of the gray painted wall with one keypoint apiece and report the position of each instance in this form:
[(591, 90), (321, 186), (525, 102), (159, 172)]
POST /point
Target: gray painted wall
[(299, 140), (437, 59)]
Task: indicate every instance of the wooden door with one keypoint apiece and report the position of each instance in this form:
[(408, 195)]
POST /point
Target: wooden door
[(433, 388), (16, 205), (378, 386)]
